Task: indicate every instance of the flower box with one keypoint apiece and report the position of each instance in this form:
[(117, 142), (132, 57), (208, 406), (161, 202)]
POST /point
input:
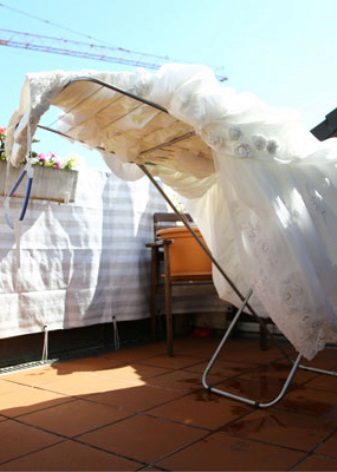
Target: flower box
[(57, 185)]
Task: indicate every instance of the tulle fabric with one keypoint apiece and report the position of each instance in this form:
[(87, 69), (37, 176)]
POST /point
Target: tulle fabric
[(264, 197)]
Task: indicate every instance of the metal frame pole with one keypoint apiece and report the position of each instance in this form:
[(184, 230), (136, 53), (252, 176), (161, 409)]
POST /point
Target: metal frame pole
[(203, 246), (232, 396), (196, 237)]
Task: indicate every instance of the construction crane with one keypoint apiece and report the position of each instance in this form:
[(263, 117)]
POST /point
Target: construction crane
[(67, 47)]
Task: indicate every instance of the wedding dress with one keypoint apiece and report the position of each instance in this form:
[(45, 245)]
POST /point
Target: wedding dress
[(261, 188)]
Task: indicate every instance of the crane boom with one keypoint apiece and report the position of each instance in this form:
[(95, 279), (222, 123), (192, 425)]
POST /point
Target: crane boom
[(54, 45), (81, 54)]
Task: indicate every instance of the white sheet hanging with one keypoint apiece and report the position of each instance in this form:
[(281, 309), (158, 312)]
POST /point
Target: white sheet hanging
[(79, 262), (83, 263), (262, 189)]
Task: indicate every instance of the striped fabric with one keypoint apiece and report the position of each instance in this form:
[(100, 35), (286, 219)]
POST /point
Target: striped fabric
[(82, 263)]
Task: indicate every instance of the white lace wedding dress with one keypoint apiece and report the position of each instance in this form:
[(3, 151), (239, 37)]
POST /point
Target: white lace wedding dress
[(266, 201)]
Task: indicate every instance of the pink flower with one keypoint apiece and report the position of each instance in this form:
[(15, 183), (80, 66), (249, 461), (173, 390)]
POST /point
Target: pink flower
[(3, 131)]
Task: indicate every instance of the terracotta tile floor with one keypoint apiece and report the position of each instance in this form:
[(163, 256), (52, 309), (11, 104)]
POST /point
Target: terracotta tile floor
[(137, 409)]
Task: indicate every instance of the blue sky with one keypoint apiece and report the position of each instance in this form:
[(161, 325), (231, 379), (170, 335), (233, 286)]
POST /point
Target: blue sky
[(284, 51)]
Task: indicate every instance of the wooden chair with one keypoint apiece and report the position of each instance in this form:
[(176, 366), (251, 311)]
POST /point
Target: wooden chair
[(174, 261)]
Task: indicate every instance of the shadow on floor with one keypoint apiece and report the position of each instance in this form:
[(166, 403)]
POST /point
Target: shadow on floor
[(139, 409)]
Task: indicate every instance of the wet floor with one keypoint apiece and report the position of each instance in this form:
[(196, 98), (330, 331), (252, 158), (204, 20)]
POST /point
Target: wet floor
[(137, 409)]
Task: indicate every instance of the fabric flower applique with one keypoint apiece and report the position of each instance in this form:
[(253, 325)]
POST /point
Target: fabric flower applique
[(243, 150), (259, 142), (272, 146), (234, 133)]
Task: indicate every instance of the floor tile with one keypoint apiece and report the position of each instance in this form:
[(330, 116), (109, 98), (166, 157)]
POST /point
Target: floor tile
[(81, 369), (134, 354), (321, 404), (148, 411), (32, 377), (58, 370), (6, 387), (329, 447), (143, 438), (27, 399), (176, 362), (195, 347), (194, 341), (317, 462), (135, 398), (221, 369), (278, 370), (251, 356), (133, 374), (19, 439), (86, 364), (74, 417), (287, 429), (202, 409), (42, 378), (323, 382), (45, 377), (85, 384), (108, 365), (259, 389), (151, 467), (177, 380), (70, 455), (326, 359), (219, 452), (246, 350)]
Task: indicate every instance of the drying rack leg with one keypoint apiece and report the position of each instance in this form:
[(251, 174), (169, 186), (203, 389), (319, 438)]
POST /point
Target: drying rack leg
[(263, 327), (317, 370), (224, 393)]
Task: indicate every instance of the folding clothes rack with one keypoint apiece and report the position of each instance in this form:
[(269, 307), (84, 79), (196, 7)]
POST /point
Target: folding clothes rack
[(145, 157)]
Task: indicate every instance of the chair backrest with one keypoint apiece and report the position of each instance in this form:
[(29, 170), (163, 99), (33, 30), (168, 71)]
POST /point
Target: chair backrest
[(167, 220)]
